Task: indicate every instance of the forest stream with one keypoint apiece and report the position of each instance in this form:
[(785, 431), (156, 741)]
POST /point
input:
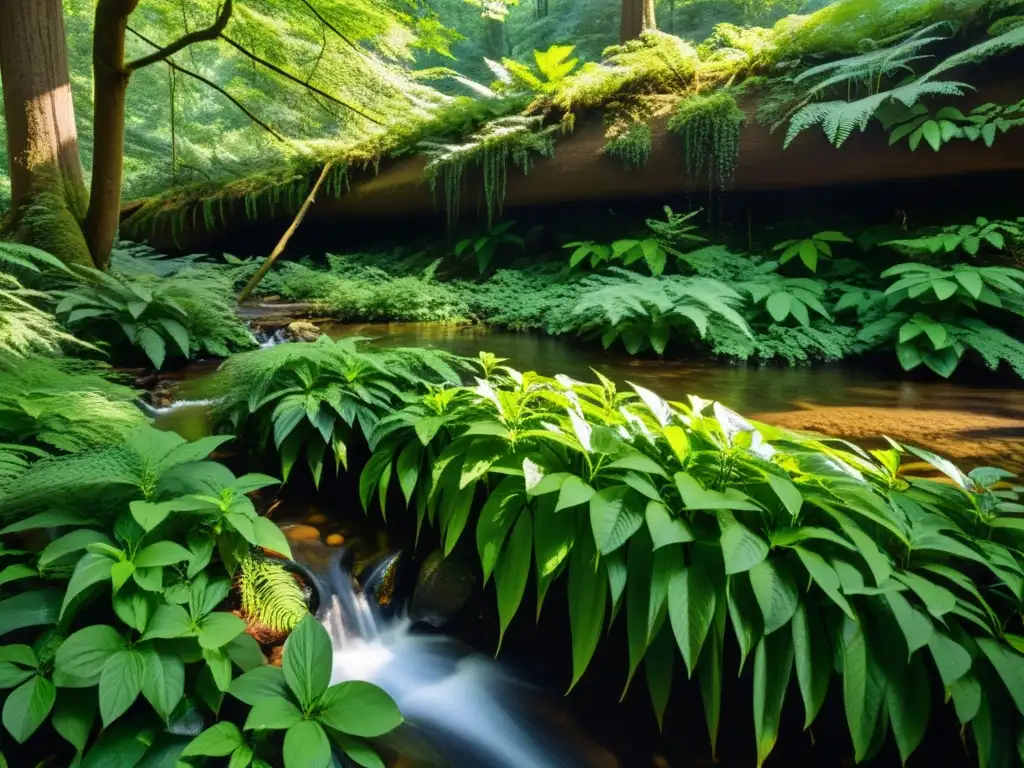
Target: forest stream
[(972, 425)]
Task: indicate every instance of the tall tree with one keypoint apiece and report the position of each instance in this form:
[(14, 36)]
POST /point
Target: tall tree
[(48, 195), (637, 17), (48, 199)]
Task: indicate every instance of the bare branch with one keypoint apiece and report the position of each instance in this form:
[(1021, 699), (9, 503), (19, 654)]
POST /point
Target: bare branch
[(294, 79), (333, 29), (214, 86), (211, 32)]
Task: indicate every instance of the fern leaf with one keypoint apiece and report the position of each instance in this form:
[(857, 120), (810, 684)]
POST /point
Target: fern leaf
[(149, 340)]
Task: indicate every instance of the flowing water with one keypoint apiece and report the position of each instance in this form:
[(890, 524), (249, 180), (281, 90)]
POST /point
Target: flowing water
[(462, 709)]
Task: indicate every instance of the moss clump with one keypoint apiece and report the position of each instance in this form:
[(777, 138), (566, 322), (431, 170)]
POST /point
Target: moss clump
[(51, 220), (632, 146), (515, 139), (654, 63), (850, 26), (710, 126)]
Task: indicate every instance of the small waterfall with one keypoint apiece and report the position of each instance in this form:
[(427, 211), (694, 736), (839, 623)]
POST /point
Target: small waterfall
[(462, 709)]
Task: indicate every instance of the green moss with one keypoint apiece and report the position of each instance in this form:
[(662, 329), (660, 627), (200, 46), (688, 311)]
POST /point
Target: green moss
[(51, 220), (632, 146), (710, 126), (654, 63), (850, 26), (508, 139)]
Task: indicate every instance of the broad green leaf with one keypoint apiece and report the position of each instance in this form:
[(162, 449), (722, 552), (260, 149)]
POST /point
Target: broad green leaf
[(773, 665), (915, 625), (218, 629), (408, 468), (91, 569), (120, 684), (658, 669), (908, 700), (306, 746), (788, 494), (553, 538), (512, 571), (29, 609), (168, 622), (695, 496), (863, 687), (638, 595), (587, 598), (17, 572), (134, 606), (27, 707), (163, 682), (496, 519), (614, 517), (937, 600), (219, 664), (825, 577), (664, 528), (82, 656), (307, 661), (573, 492), (258, 684), (161, 553), (358, 751), (1009, 665), (952, 659), (691, 609), (776, 593), (74, 715), (779, 305), (269, 536), (745, 615), (272, 713), (741, 548), (69, 543), (813, 660), (359, 709), (709, 674), (219, 740)]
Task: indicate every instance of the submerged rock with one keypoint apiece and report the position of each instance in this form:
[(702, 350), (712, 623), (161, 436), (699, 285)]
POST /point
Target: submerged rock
[(380, 581), (443, 587)]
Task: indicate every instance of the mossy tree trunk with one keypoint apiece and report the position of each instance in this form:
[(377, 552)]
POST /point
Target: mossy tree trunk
[(51, 208), (47, 186), (496, 37), (637, 17)]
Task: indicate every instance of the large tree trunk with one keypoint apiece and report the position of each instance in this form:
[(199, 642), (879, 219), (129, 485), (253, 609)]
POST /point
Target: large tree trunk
[(637, 17), (47, 186), (110, 83)]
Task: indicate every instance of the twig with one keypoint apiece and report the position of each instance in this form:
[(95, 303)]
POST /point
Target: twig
[(279, 248), (200, 35)]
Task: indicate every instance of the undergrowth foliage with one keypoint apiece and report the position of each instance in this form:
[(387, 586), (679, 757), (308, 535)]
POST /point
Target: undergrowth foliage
[(685, 520)]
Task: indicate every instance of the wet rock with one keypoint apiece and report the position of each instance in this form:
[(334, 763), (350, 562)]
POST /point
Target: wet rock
[(335, 540), (317, 518), (380, 580), (442, 588), (300, 533), (303, 330)]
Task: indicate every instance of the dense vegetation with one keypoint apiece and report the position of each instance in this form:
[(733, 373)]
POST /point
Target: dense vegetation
[(144, 589)]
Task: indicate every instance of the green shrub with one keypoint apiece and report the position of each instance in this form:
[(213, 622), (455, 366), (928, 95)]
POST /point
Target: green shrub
[(126, 609), (823, 558), (314, 399)]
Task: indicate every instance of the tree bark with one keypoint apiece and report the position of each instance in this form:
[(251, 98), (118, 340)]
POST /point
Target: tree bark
[(496, 37), (637, 17), (47, 185), (110, 83)]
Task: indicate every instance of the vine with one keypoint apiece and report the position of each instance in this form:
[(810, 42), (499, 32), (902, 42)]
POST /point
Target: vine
[(515, 139), (710, 127)]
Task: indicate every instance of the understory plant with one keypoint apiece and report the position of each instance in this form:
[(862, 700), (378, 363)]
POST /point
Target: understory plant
[(122, 618), (711, 537), (313, 400), (484, 246), (182, 315)]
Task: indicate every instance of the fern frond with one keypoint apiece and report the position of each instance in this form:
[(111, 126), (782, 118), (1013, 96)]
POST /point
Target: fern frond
[(1007, 41), (839, 118), (271, 595)]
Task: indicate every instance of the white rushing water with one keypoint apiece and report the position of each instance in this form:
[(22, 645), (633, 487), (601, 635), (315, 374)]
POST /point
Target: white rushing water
[(462, 709)]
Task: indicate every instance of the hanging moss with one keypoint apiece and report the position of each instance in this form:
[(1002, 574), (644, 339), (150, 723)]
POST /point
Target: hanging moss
[(632, 145), (507, 139), (710, 126)]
